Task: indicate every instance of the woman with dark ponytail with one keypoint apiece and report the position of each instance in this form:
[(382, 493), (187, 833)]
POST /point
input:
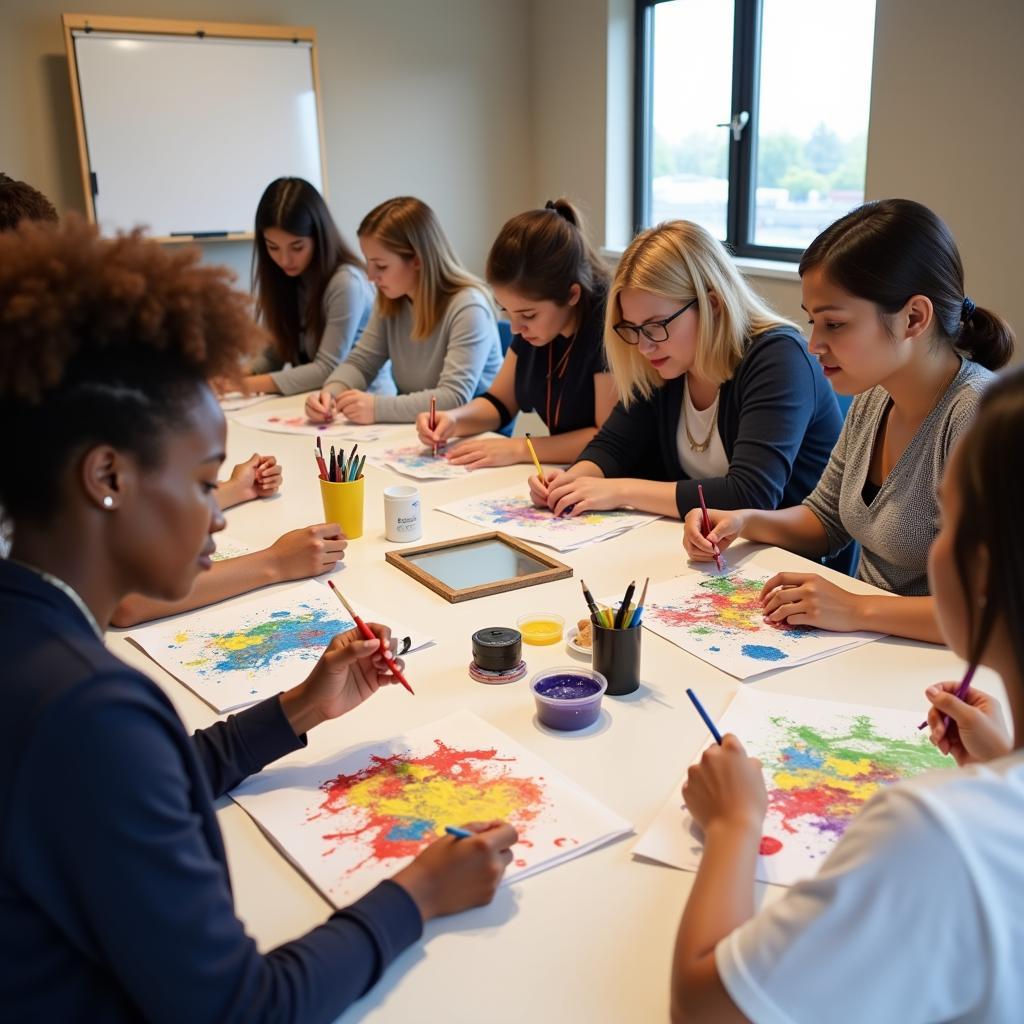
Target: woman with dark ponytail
[(891, 324), (553, 286)]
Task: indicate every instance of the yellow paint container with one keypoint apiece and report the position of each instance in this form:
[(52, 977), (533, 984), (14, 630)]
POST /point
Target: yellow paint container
[(541, 628)]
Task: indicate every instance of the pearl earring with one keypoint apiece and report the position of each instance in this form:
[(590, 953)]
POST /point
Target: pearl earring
[(108, 501)]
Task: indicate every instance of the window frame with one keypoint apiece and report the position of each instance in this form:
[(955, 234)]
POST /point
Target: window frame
[(746, 79)]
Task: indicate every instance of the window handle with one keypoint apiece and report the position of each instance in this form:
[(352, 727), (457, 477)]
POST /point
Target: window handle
[(736, 124)]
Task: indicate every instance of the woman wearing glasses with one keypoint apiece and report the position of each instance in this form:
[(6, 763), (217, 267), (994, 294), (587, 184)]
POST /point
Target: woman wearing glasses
[(553, 287), (713, 388)]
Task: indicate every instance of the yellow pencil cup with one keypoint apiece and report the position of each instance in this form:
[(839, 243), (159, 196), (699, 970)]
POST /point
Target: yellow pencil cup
[(343, 504)]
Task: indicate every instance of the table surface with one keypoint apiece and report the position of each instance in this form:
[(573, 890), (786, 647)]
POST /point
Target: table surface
[(590, 940)]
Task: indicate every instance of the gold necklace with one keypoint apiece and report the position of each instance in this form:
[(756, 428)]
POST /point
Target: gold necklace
[(700, 446)]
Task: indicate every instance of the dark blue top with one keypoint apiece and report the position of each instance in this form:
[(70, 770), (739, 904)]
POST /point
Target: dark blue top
[(115, 899), (575, 361), (778, 420)]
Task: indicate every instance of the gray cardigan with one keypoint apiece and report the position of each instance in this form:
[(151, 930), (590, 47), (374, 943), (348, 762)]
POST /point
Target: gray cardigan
[(347, 301), (897, 528), (455, 363)]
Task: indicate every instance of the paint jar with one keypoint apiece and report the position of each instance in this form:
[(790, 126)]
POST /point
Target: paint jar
[(568, 697), (403, 518), (617, 657), (343, 504), (497, 648), (541, 628)]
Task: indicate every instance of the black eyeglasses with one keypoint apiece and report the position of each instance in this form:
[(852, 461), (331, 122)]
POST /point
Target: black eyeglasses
[(655, 330)]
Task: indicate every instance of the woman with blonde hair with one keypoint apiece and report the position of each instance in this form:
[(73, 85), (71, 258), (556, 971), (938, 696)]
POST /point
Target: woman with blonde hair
[(713, 388), (432, 319)]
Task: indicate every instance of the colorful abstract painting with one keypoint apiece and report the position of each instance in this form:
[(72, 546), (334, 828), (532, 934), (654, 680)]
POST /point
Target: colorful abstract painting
[(295, 422), (239, 652), (512, 512), (720, 620), (822, 762), (418, 462), (349, 823)]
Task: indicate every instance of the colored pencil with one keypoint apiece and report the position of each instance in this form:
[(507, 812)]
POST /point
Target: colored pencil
[(459, 833), (595, 613), (433, 420), (359, 466), (320, 464), (620, 615), (960, 693), (533, 455), (332, 467), (707, 718), (319, 446), (706, 529), (638, 614), (369, 635)]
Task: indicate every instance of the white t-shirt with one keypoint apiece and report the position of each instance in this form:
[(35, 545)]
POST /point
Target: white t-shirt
[(918, 914), (712, 461)]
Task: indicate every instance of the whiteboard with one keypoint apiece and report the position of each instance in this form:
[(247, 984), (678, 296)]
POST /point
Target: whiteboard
[(183, 133)]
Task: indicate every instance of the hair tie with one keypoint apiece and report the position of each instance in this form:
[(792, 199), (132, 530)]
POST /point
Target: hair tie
[(967, 309)]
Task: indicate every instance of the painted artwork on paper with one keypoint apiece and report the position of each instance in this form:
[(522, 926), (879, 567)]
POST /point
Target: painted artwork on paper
[(512, 512), (240, 652), (350, 823), (418, 462), (289, 422), (720, 619), (822, 762)]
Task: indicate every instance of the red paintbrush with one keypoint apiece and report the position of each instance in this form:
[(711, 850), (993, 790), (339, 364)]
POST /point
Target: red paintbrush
[(369, 635), (707, 527)]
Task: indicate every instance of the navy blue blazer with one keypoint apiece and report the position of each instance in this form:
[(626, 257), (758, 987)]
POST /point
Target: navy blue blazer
[(777, 416), (115, 900)]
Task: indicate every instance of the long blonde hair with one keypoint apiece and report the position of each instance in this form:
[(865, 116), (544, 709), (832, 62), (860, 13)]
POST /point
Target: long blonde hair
[(680, 260), (410, 229)]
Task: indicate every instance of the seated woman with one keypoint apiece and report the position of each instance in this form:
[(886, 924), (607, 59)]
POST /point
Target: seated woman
[(311, 291), (938, 854), (431, 319), (713, 388), (552, 285), (117, 899), (884, 290)]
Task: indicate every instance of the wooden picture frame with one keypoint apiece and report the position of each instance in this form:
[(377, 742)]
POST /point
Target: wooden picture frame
[(554, 570)]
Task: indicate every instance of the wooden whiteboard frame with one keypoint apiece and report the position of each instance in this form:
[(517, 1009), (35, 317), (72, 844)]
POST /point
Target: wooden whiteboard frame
[(170, 27), (555, 570)]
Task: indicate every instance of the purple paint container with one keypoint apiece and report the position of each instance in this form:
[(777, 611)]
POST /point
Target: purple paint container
[(568, 697)]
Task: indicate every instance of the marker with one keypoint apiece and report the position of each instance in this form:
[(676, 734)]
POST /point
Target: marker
[(369, 635), (703, 714), (321, 465), (620, 615), (588, 597), (707, 527), (433, 420), (960, 693), (459, 833)]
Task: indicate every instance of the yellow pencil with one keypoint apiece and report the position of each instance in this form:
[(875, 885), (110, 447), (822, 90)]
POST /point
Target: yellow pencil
[(536, 461)]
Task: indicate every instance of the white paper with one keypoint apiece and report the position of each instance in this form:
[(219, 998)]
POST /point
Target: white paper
[(233, 401), (417, 461), (511, 511), (719, 618), (297, 423), (241, 651), (823, 760), (352, 821)]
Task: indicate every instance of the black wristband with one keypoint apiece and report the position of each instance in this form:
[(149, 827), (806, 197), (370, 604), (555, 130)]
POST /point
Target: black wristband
[(503, 413)]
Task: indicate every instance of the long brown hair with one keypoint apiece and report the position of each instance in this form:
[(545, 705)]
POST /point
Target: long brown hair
[(295, 206)]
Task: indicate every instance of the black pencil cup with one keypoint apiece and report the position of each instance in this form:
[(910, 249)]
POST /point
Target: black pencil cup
[(617, 657)]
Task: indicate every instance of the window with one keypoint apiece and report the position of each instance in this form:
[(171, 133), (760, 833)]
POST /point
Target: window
[(752, 117)]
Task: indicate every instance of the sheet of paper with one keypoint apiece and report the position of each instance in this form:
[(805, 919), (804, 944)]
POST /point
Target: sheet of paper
[(233, 401), (823, 760), (511, 511), (719, 618), (241, 651), (296, 423), (351, 822), (418, 462)]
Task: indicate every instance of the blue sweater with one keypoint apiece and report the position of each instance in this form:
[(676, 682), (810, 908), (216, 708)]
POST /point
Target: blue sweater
[(115, 899), (777, 416)]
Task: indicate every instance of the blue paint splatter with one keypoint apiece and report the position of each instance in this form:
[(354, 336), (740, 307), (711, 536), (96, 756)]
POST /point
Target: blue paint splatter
[(802, 757), (762, 652), (716, 649), (410, 830)]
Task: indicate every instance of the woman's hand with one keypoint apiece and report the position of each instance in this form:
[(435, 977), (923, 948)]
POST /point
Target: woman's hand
[(979, 734), (807, 599), (320, 407), (308, 551), (355, 406), (725, 528), (488, 451), (258, 477), (444, 428), (726, 787), (455, 874), (540, 486), (572, 496), (348, 672)]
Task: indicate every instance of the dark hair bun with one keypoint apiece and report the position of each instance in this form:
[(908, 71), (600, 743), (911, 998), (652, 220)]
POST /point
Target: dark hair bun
[(986, 338)]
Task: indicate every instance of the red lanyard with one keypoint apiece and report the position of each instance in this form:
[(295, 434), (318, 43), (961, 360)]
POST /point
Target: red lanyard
[(558, 371)]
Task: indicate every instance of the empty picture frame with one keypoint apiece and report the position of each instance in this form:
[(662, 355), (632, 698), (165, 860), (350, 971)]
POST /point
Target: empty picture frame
[(486, 563)]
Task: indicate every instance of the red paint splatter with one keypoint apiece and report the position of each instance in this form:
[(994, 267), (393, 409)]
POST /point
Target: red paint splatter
[(565, 840), (729, 603), (769, 845), (392, 836), (520, 863)]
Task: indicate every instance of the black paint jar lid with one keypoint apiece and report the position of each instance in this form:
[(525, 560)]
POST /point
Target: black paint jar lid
[(497, 648)]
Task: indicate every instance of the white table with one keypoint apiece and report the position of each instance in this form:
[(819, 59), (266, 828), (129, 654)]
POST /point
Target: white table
[(590, 940)]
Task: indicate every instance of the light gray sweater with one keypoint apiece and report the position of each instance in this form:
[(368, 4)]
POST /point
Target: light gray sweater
[(455, 363), (897, 528), (347, 302)]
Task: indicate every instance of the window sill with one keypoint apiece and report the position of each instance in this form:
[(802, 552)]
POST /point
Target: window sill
[(778, 269)]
